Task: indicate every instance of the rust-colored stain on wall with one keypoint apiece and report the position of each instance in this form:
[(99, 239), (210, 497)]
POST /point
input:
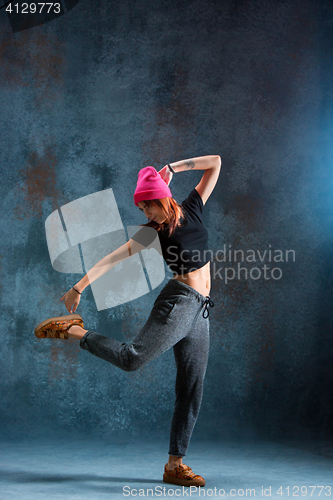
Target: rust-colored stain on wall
[(37, 182), (35, 59), (63, 362)]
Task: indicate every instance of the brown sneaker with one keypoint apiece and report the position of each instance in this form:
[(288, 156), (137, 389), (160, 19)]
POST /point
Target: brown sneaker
[(183, 476), (57, 328)]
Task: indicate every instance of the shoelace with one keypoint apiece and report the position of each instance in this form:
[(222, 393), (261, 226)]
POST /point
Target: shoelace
[(186, 472), (208, 302)]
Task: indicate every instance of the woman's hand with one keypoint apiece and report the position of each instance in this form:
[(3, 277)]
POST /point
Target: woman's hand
[(72, 300), (166, 174)]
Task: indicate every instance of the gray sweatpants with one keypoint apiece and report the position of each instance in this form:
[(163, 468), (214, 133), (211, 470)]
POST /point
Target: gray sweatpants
[(179, 320)]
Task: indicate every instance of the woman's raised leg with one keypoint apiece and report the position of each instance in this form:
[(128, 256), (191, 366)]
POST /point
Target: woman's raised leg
[(169, 321)]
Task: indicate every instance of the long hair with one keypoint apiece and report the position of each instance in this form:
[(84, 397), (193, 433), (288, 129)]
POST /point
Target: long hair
[(171, 210)]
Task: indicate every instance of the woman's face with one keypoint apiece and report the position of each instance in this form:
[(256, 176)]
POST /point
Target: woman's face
[(152, 211)]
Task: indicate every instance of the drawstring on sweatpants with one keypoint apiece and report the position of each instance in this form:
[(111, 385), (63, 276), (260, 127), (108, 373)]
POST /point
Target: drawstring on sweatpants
[(208, 302)]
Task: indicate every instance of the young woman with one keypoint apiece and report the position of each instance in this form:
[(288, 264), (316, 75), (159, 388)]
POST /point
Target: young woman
[(179, 317)]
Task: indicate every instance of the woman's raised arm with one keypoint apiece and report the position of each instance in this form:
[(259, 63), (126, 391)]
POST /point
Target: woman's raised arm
[(199, 163), (211, 164)]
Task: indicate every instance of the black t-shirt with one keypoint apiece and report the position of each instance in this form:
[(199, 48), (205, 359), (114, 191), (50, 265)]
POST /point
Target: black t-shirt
[(187, 248)]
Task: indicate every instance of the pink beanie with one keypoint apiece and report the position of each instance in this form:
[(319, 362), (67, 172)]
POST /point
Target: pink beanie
[(150, 186)]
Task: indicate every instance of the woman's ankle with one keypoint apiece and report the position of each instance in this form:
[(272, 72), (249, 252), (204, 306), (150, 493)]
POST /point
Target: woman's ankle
[(76, 332), (174, 462)]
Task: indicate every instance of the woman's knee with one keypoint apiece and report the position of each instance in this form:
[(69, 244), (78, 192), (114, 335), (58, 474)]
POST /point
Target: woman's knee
[(132, 361)]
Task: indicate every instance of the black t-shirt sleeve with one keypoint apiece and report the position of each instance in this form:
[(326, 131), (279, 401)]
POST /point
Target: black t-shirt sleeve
[(145, 236), (194, 201)]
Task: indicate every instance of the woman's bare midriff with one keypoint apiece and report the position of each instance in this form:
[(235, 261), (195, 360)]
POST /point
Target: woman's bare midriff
[(198, 279)]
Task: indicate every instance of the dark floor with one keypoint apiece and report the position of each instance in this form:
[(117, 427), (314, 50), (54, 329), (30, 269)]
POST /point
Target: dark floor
[(67, 469)]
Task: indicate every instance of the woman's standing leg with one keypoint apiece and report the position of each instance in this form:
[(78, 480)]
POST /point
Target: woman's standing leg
[(191, 356)]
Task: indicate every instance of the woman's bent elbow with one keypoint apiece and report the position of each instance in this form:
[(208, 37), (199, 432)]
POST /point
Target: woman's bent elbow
[(218, 160)]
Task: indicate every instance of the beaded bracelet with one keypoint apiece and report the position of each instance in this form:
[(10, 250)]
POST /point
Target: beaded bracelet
[(171, 169)]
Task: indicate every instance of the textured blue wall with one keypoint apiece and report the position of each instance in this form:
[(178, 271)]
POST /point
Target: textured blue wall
[(90, 98)]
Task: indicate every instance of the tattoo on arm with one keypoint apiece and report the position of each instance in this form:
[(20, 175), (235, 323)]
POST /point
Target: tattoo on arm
[(189, 165)]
